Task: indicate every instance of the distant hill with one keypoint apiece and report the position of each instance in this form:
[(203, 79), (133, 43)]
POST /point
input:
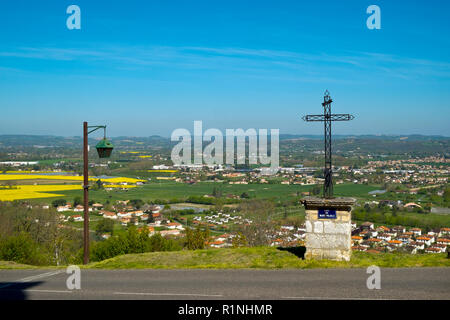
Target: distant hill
[(43, 141), (346, 145), (36, 141), (414, 137), (59, 141)]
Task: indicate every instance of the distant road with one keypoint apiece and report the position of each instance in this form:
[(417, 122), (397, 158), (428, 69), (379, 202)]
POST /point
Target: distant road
[(399, 283)]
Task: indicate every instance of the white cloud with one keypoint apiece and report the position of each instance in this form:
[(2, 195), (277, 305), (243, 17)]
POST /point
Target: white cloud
[(246, 62)]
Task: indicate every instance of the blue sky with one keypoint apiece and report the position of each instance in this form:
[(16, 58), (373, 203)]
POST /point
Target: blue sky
[(149, 67)]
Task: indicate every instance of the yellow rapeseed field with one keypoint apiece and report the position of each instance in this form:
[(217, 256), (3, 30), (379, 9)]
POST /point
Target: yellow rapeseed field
[(28, 171), (34, 191), (64, 177), (121, 179), (118, 186), (41, 191)]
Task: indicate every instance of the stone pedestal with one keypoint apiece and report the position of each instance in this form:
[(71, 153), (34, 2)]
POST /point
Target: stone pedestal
[(328, 228)]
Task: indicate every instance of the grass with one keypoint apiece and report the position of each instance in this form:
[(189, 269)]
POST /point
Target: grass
[(53, 161), (432, 219), (15, 265), (443, 220), (171, 190), (251, 258), (193, 205), (262, 258)]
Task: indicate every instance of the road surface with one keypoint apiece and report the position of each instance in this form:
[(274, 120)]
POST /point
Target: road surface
[(398, 283)]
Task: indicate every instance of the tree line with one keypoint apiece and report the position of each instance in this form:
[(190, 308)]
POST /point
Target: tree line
[(36, 236)]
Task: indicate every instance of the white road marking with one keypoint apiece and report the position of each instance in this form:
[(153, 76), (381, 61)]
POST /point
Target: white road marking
[(31, 278), (334, 298), (169, 294), (39, 276), (50, 291)]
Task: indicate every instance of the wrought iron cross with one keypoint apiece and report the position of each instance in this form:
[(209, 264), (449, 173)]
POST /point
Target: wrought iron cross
[(327, 117)]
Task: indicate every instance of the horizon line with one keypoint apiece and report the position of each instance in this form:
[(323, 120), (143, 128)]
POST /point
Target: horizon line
[(281, 134)]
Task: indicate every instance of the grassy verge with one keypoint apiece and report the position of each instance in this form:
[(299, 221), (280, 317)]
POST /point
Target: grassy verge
[(15, 265), (251, 258), (262, 258)]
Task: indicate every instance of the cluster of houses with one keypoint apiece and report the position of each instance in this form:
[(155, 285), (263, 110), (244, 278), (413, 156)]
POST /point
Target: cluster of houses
[(420, 171), (77, 208), (392, 203), (413, 240), (220, 241), (172, 228), (220, 219), (415, 173), (288, 236), (126, 214), (366, 237)]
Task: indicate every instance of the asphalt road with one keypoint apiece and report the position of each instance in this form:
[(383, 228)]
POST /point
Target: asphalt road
[(404, 283)]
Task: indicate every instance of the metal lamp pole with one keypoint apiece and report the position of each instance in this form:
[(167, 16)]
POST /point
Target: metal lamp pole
[(104, 149), (86, 194)]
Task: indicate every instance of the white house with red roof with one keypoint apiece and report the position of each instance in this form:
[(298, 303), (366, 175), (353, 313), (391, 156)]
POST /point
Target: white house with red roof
[(77, 218), (174, 225), (109, 215)]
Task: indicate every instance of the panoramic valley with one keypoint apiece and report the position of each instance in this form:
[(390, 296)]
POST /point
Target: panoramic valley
[(400, 184)]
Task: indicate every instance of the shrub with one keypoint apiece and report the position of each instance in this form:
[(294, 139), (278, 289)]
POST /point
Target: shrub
[(59, 202), (20, 248), (196, 239), (131, 241)]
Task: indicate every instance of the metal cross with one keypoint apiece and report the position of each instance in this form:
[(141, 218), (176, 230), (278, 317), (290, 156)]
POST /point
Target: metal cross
[(327, 117)]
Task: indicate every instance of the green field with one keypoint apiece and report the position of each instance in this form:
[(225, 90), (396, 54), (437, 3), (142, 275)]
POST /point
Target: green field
[(431, 219), (174, 190), (53, 161)]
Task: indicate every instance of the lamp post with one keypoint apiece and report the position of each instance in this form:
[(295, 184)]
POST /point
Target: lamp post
[(104, 149)]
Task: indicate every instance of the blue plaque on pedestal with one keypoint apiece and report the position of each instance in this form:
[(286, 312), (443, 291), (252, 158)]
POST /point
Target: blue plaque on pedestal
[(327, 214)]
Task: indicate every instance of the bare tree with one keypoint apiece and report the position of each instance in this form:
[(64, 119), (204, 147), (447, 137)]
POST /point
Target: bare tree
[(258, 224)]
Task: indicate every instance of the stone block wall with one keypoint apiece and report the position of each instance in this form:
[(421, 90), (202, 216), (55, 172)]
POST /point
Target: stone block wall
[(328, 238)]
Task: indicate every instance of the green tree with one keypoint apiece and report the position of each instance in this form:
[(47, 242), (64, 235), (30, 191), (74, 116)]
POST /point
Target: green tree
[(239, 240), (217, 193), (245, 195), (132, 241), (315, 190), (446, 194), (20, 248), (104, 226), (59, 202), (77, 201), (99, 184), (196, 239), (137, 203)]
